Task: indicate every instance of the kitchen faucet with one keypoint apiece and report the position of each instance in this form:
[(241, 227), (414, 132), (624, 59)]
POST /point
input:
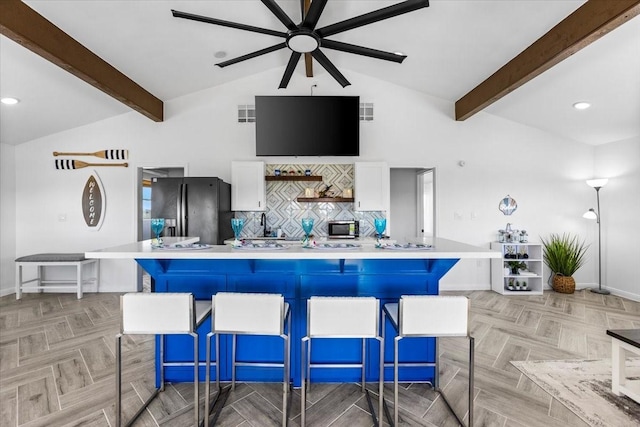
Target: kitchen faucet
[(263, 223)]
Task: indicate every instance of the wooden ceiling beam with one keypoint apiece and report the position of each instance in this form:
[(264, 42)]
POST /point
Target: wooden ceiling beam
[(588, 23), (308, 59), (25, 26)]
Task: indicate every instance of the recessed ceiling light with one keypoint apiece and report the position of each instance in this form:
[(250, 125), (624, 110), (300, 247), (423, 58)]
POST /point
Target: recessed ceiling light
[(9, 101), (581, 105)]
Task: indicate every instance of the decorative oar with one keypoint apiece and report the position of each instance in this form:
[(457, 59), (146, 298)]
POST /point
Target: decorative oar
[(103, 154), (79, 164)]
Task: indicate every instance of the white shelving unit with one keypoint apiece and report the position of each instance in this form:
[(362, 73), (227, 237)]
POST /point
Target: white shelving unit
[(503, 282)]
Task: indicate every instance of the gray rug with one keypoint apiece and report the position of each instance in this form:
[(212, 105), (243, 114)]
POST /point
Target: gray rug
[(584, 386)]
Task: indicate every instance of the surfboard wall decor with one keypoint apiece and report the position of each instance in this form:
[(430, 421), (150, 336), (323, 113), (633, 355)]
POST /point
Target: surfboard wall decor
[(93, 202)]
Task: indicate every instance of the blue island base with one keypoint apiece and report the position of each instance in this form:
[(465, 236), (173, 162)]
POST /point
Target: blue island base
[(297, 280)]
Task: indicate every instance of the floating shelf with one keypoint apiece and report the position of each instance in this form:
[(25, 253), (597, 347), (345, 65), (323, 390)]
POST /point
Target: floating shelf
[(326, 199), (293, 178)]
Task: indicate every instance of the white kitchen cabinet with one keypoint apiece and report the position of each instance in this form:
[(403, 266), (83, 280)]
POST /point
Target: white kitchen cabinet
[(248, 186), (506, 283), (371, 186)]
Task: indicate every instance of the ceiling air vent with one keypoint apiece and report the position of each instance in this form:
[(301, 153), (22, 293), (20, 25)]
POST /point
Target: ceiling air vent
[(366, 111), (246, 113)]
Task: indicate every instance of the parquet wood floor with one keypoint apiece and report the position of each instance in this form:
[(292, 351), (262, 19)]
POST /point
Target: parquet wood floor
[(57, 365)]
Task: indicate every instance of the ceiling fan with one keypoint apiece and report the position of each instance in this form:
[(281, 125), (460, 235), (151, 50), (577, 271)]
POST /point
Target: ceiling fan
[(306, 38)]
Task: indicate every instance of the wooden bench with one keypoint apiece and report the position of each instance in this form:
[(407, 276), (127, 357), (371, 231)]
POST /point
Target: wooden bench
[(41, 261)]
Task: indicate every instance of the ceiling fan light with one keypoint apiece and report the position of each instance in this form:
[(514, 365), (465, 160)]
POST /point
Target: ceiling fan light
[(582, 105), (303, 43), (9, 101)]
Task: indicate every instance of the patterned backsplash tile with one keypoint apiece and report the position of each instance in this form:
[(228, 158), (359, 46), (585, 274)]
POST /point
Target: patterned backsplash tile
[(284, 212)]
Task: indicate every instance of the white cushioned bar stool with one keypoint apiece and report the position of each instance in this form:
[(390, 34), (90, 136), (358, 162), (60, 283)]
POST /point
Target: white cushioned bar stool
[(159, 314), (342, 317), (430, 316), (236, 313)]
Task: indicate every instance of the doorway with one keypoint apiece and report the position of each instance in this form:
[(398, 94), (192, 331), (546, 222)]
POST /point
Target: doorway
[(412, 201), (143, 208)]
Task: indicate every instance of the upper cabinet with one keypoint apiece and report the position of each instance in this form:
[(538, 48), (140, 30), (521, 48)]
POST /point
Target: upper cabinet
[(248, 186), (371, 187)]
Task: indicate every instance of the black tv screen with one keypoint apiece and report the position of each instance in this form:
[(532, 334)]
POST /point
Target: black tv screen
[(307, 125)]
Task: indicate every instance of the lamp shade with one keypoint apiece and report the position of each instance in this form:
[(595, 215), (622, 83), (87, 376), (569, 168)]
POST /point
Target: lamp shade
[(597, 183), (590, 214)]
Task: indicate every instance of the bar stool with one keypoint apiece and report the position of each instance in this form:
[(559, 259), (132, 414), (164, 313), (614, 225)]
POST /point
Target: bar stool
[(342, 317), (159, 314), (248, 314), (430, 316)]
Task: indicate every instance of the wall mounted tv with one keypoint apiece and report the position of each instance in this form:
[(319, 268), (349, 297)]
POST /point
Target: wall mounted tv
[(307, 125)]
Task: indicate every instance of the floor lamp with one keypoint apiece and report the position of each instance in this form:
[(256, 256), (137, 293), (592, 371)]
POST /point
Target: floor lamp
[(593, 214)]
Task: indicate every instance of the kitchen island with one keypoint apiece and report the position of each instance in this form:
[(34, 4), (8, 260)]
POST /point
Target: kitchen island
[(297, 273)]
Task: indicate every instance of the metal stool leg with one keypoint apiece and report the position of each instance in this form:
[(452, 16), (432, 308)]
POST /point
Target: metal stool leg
[(396, 341), (207, 386), (303, 380), (222, 398), (233, 361), (196, 380), (118, 380), (364, 356)]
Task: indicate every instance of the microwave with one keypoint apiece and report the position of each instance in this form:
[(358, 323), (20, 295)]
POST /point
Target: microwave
[(344, 229)]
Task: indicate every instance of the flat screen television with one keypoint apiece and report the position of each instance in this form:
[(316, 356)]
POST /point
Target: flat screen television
[(307, 125)]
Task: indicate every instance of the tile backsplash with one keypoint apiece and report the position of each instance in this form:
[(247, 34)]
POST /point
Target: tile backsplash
[(285, 212)]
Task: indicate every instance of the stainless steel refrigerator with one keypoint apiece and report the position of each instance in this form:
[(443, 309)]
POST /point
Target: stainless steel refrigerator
[(193, 207)]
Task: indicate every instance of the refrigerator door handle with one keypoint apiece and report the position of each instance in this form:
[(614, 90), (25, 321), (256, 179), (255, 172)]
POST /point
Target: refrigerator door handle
[(179, 212), (180, 208), (183, 209)]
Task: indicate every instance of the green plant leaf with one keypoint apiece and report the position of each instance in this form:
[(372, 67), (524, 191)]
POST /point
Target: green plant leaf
[(564, 254)]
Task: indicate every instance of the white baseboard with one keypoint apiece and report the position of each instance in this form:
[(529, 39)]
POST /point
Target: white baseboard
[(7, 291), (88, 288), (617, 292), (461, 287), (579, 286)]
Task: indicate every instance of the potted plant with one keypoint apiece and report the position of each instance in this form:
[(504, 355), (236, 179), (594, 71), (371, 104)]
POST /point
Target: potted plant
[(516, 266), (564, 255)]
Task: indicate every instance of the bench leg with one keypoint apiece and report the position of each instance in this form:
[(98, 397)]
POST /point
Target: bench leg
[(79, 279), (97, 267), (18, 281), (40, 277)]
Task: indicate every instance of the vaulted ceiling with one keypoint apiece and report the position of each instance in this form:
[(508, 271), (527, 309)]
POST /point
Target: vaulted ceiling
[(452, 47)]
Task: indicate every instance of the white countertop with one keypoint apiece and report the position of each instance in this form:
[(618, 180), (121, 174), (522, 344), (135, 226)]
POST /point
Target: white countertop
[(443, 249)]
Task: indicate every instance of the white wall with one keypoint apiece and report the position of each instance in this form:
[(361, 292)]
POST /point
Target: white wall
[(7, 219), (543, 172), (619, 207)]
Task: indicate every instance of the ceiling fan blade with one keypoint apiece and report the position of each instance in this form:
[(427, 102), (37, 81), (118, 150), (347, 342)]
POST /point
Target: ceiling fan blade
[(279, 13), (313, 14), (360, 50), (206, 19), (252, 55), (371, 17), (288, 72), (331, 69)]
